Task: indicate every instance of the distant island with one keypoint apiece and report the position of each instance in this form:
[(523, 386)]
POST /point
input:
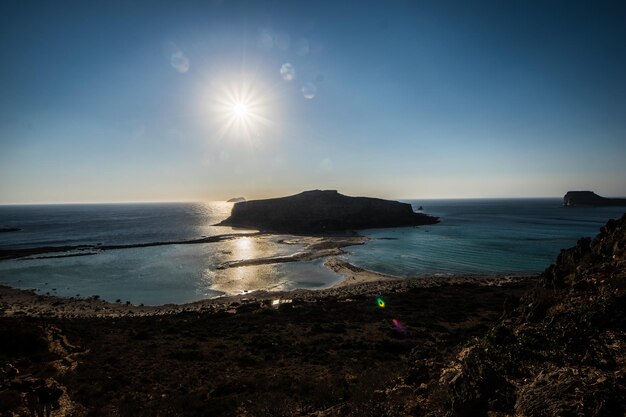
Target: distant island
[(590, 199), (236, 200), (320, 211), (9, 229)]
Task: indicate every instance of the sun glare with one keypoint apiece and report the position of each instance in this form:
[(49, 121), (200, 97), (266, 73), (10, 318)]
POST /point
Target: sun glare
[(241, 111)]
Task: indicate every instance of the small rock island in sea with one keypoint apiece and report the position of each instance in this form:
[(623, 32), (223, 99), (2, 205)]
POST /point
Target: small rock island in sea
[(236, 200), (590, 199), (324, 211)]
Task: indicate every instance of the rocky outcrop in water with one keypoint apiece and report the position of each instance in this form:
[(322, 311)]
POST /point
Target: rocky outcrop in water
[(590, 199), (323, 211), (562, 352), (236, 200)]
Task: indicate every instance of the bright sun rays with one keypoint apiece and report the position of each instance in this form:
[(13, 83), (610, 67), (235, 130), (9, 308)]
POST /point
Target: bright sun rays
[(242, 112)]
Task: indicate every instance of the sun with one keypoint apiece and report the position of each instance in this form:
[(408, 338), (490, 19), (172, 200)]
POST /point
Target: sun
[(241, 111)]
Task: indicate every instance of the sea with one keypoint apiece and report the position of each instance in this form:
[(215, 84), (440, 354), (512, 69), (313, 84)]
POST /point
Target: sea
[(475, 236)]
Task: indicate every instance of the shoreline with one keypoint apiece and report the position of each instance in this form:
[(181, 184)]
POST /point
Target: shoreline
[(16, 302), (329, 247)]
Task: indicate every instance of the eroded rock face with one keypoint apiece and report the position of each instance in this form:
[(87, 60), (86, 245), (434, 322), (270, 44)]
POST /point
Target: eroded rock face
[(323, 211), (562, 352), (590, 199)]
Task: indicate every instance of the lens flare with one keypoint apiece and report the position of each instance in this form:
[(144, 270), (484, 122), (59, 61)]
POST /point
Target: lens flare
[(380, 302), (288, 72), (180, 62), (398, 326), (309, 90)]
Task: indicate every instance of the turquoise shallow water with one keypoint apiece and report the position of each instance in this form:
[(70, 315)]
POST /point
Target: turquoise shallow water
[(481, 236), (169, 273), (475, 236)]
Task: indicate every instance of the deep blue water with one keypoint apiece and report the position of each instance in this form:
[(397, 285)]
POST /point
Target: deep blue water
[(74, 224), (474, 236)]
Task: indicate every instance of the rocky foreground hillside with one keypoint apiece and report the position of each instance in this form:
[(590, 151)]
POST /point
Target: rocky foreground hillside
[(561, 352)]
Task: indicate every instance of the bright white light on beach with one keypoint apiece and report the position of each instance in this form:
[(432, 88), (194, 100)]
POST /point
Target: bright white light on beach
[(241, 111), (277, 302)]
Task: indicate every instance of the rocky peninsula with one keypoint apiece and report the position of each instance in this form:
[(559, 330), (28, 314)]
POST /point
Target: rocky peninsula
[(590, 199), (317, 211)]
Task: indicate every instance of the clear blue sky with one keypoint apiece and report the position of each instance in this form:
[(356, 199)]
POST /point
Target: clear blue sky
[(131, 101)]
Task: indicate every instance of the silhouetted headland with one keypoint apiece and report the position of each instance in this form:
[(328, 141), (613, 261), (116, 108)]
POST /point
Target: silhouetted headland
[(590, 199), (323, 211)]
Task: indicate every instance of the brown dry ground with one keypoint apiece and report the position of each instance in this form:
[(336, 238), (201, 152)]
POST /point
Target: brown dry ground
[(332, 352)]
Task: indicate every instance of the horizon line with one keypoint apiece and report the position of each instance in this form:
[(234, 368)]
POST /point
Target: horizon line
[(224, 201)]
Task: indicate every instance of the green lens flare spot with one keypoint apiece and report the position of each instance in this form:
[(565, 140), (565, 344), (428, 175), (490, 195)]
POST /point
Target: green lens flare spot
[(381, 302)]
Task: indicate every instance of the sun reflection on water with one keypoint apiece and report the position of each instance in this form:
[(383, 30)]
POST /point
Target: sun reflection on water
[(240, 279), (271, 276), (244, 248)]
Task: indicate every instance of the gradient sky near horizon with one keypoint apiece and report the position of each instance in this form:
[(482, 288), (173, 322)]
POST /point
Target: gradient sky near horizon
[(131, 101)]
